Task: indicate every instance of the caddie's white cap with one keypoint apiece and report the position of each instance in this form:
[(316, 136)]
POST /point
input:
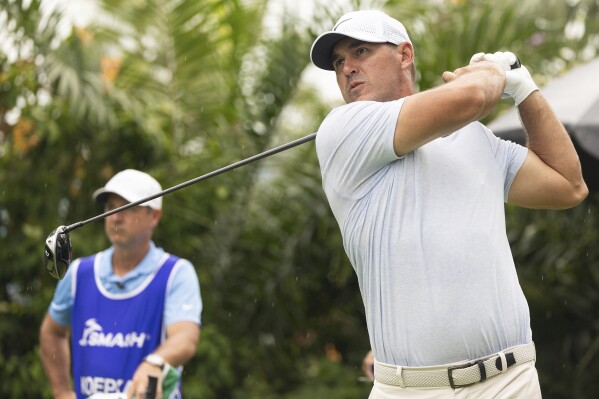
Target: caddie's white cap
[(132, 185), (367, 25)]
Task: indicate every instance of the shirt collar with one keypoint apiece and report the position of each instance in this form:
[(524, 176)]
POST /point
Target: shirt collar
[(145, 267)]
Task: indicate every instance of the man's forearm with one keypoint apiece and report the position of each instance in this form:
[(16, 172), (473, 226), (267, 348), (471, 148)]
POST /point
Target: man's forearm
[(56, 360), (181, 343), (549, 140), (470, 94), (56, 357), (177, 349)]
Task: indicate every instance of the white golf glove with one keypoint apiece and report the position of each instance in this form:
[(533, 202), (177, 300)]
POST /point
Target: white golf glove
[(519, 83)]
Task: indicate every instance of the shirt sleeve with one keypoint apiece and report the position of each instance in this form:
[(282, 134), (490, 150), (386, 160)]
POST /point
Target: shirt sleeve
[(183, 300), (61, 307), (510, 157), (355, 142)]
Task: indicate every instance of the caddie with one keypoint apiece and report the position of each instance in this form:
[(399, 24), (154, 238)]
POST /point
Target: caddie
[(132, 311)]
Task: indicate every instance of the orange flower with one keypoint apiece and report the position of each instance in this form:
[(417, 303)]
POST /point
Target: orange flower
[(84, 35), (332, 353), (110, 68), (25, 136)]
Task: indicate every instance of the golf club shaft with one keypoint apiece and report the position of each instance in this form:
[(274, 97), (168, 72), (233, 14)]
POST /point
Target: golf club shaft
[(224, 169)]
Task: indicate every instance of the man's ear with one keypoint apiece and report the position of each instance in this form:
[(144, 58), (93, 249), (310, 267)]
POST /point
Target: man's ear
[(407, 54), (156, 214)]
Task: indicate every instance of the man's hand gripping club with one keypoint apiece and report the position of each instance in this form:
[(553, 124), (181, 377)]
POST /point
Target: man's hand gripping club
[(519, 84)]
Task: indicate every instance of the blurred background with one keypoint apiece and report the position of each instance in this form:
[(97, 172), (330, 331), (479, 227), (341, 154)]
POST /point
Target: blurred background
[(179, 88)]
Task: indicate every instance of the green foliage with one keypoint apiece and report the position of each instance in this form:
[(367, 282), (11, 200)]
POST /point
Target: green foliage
[(555, 253), (181, 88), (550, 36)]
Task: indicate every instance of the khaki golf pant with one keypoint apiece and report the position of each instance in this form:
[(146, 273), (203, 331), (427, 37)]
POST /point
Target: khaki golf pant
[(519, 382)]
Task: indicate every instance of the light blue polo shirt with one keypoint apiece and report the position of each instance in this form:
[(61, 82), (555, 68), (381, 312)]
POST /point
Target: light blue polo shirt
[(183, 301), (426, 235)]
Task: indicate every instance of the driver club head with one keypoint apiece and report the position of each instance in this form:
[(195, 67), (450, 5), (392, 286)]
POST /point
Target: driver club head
[(57, 253)]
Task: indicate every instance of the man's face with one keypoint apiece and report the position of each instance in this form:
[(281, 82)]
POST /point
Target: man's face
[(131, 227), (369, 71)]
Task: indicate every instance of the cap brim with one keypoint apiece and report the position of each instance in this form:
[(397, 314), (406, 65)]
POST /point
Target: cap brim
[(322, 49), (100, 195)]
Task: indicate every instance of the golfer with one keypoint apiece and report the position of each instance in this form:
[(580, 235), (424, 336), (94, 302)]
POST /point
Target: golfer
[(132, 311), (418, 186)]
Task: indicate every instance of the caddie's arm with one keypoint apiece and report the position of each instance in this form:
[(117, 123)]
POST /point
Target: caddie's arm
[(551, 176), (56, 358), (470, 94), (179, 346)]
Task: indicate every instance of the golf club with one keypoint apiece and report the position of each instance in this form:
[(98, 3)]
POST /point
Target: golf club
[(58, 249), (152, 387)]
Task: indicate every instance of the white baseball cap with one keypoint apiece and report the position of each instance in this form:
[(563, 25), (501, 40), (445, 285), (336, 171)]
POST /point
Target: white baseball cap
[(133, 186), (367, 25)]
